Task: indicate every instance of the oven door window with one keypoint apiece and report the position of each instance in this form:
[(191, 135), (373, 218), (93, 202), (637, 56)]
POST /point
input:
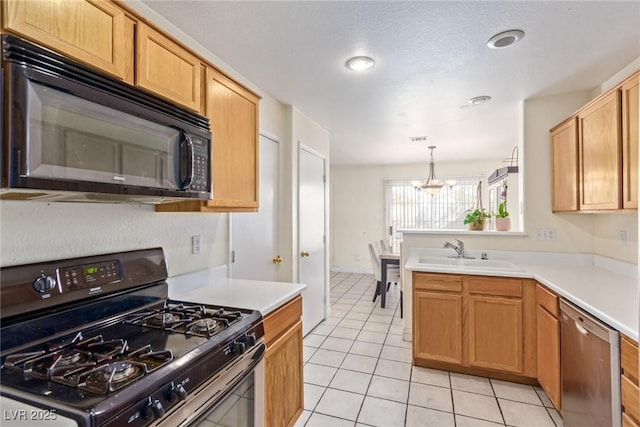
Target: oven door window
[(71, 138), (235, 410)]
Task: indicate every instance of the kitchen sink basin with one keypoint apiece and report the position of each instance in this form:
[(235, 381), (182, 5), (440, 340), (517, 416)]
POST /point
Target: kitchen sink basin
[(488, 264)]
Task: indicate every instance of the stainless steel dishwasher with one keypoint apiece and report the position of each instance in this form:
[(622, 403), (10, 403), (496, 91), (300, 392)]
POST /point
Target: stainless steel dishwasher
[(590, 366)]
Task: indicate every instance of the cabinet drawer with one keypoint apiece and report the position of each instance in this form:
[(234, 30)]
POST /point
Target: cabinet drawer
[(547, 299), (495, 286), (630, 398), (437, 282), (279, 321), (629, 359)]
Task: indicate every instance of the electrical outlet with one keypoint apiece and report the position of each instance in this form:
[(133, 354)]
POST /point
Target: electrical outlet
[(545, 234), (196, 247), (623, 237)]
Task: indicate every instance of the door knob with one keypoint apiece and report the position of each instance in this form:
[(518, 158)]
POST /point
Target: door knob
[(304, 254), (277, 259)]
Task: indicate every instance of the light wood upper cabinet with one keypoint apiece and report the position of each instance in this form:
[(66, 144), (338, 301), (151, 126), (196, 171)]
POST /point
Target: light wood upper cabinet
[(90, 31), (630, 127), (564, 160), (283, 383), (548, 344), (233, 111), (600, 151), (167, 69)]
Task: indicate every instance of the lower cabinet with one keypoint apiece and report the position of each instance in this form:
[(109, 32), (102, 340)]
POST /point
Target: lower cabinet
[(283, 390), (548, 344), (475, 324), (629, 382)]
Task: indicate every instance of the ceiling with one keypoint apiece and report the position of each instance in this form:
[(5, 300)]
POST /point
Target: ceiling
[(431, 57)]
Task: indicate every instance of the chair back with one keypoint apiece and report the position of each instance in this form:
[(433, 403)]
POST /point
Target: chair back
[(385, 246), (375, 261)]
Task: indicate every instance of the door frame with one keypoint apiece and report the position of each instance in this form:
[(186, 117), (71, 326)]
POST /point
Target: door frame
[(326, 279)]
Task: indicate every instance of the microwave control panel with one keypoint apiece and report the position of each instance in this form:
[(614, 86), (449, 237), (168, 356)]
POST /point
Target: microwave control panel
[(201, 165)]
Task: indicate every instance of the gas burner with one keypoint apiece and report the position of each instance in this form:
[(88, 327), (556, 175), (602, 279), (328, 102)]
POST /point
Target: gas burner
[(110, 377), (205, 327), (72, 357), (163, 319)]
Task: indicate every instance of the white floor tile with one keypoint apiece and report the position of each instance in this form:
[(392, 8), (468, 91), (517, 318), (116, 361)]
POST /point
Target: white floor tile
[(332, 320), (471, 383), (555, 416), (380, 319), (375, 327), (518, 392), (361, 309), (318, 374), (476, 406), (543, 396), (524, 415), (430, 376), (393, 369), (351, 323), (462, 421), (338, 313), (354, 362), (320, 420), (382, 413), (328, 357), (396, 329), (307, 352), (356, 382), (340, 404), (302, 419), (375, 337), (432, 397), (396, 353), (322, 330), (366, 348), (312, 395), (345, 333), (397, 341), (423, 417), (389, 388), (337, 344), (313, 340), (342, 307)]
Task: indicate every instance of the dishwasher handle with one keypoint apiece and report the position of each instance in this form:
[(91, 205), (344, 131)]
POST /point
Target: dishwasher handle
[(581, 329)]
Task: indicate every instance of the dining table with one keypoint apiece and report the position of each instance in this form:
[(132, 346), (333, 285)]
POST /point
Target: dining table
[(387, 258)]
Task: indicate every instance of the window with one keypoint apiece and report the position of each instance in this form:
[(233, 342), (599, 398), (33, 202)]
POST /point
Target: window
[(407, 207)]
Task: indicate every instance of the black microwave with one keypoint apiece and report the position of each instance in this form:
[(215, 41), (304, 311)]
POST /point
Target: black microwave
[(74, 134)]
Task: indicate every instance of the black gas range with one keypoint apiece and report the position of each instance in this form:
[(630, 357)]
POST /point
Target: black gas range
[(96, 340)]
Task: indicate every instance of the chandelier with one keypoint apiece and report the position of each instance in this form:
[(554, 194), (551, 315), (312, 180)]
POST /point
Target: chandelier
[(433, 184)]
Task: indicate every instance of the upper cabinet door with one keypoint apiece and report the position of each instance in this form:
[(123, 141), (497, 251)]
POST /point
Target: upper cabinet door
[(601, 154), (166, 68), (564, 168), (233, 111), (91, 31), (630, 117)]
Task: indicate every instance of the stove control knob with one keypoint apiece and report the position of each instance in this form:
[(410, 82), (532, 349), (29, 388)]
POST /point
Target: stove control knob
[(44, 284), (177, 392), (249, 339), (153, 410), (238, 347)]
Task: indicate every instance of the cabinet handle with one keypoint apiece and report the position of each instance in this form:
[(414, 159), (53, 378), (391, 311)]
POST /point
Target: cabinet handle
[(304, 254), (277, 259)]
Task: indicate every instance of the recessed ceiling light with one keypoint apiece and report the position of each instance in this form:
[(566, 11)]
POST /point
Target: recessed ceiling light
[(505, 39), (360, 63), (476, 100)]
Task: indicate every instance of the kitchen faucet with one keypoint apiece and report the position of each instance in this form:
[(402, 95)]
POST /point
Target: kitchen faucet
[(459, 248)]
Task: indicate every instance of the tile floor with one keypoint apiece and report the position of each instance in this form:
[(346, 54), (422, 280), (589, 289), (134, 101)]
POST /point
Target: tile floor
[(358, 372)]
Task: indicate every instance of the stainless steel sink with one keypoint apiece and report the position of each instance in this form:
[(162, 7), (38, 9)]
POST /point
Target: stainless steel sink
[(488, 264)]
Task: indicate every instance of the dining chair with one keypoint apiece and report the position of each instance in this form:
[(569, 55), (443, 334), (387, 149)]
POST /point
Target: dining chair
[(393, 274), (384, 245)]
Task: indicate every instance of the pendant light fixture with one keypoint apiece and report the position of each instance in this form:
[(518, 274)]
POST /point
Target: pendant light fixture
[(433, 184)]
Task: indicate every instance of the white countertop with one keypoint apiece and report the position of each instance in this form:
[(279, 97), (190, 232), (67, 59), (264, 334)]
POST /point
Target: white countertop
[(208, 287), (606, 288)]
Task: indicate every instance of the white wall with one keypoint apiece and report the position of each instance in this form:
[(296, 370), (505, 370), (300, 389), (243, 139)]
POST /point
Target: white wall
[(357, 204)]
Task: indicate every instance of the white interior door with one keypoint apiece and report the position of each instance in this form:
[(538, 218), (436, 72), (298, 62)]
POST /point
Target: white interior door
[(311, 234), (254, 236)]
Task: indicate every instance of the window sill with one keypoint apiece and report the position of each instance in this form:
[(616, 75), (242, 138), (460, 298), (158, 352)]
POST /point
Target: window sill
[(487, 233)]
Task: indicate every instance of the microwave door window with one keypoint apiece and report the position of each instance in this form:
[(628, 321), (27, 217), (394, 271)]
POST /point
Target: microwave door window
[(74, 139)]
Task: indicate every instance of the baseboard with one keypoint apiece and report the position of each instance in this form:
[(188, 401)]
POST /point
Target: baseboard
[(351, 270)]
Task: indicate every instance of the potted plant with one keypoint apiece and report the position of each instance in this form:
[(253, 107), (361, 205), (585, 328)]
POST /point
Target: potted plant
[(503, 222), (476, 219)]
